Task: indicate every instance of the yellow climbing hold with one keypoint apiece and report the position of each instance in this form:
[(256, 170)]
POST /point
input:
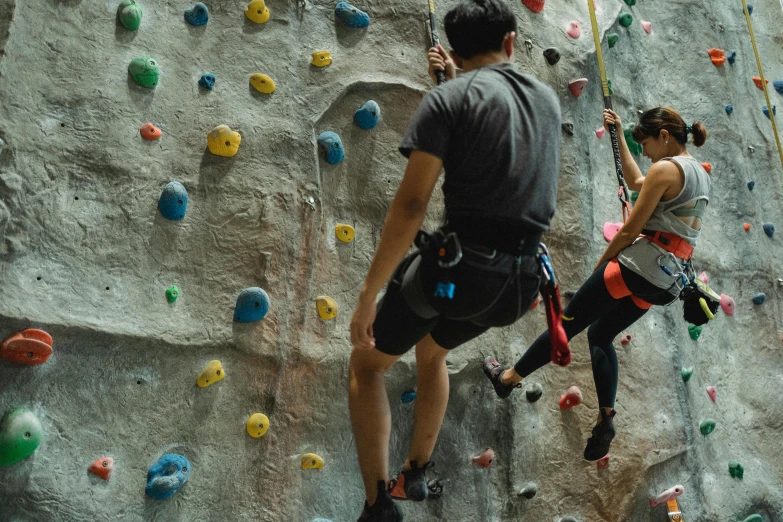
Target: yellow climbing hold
[(322, 58), (345, 233), (257, 425), (222, 141), (312, 461), (257, 12), (262, 83), (211, 374), (327, 307)]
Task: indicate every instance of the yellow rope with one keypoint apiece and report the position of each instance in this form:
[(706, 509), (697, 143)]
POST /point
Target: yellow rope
[(761, 75), (598, 54)]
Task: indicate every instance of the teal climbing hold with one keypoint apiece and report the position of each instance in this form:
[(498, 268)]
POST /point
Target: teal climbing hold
[(751, 184), (759, 298), (729, 109), (753, 518), (252, 305), (750, 9), (769, 229), (707, 426), (20, 435), (144, 71), (173, 202), (172, 293), (612, 39), (129, 14), (686, 373), (633, 146), (368, 115), (167, 476), (197, 15), (332, 147), (625, 19), (630, 3), (694, 331), (778, 85), (351, 15), (732, 56), (765, 110), (736, 470), (408, 396)]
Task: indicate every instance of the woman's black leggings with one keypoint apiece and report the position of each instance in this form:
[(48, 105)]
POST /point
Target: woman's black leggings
[(592, 306)]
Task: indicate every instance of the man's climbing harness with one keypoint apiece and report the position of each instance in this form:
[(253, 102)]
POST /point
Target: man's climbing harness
[(622, 191), (761, 76), (550, 291)]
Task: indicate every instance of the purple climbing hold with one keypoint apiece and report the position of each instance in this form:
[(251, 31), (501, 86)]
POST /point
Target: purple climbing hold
[(759, 298), (765, 110), (769, 229), (732, 56), (751, 184), (778, 85)]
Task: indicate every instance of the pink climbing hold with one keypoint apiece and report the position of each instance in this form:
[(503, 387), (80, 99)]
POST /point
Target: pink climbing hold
[(625, 339), (485, 458), (611, 230), (102, 467), (574, 31), (572, 397), (603, 462), (727, 304), (577, 86), (712, 392), (600, 132), (669, 494), (704, 278), (647, 26)]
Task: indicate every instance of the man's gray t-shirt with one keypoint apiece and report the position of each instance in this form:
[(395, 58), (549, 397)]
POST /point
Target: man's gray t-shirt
[(498, 133)]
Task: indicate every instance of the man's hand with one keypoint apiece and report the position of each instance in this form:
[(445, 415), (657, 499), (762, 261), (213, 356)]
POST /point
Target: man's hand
[(361, 323), (440, 60)]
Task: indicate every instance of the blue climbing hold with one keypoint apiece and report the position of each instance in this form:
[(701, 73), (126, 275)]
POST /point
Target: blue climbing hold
[(173, 202), (778, 85), (332, 146), (408, 396), (252, 305), (351, 16), (166, 476), (732, 56), (751, 184), (197, 15), (207, 81), (759, 298), (765, 110), (368, 115), (729, 109), (769, 229), (750, 8), (444, 290)]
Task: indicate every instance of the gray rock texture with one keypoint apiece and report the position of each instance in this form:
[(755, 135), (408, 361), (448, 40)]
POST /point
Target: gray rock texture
[(85, 254)]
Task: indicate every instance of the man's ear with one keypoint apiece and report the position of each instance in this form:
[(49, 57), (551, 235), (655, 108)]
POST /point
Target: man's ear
[(456, 59), (508, 44)]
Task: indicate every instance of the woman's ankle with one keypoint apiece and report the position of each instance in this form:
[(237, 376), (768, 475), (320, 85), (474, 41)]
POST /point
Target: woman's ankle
[(510, 377)]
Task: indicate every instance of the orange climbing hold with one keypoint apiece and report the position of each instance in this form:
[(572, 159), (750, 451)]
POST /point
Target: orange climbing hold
[(150, 132), (572, 397), (757, 81), (718, 57), (707, 167), (30, 346), (603, 462), (534, 5), (102, 467), (485, 458), (746, 226)]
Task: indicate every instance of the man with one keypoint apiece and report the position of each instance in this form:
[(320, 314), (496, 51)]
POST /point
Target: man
[(497, 134)]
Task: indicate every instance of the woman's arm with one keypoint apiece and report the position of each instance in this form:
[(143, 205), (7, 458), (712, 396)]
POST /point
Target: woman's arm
[(631, 172), (660, 177)]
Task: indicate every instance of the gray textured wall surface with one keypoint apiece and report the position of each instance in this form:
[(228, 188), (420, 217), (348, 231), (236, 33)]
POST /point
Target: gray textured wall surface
[(85, 254)]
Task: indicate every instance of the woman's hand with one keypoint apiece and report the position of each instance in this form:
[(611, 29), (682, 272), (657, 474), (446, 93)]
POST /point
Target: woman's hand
[(612, 118), (361, 323), (440, 60)]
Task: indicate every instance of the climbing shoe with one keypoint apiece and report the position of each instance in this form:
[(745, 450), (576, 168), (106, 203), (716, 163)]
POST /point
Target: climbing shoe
[(411, 484), (603, 433), (384, 509), (493, 370)]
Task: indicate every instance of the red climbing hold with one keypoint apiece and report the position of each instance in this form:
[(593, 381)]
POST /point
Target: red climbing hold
[(757, 81), (712, 392), (485, 458), (727, 304), (102, 467), (30, 346), (577, 86), (718, 57), (572, 397), (150, 132), (600, 132), (534, 5), (707, 167), (603, 462), (611, 230), (625, 339), (746, 226)]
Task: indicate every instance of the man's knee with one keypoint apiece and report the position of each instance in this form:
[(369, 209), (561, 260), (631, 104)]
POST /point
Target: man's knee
[(367, 362), (430, 352)]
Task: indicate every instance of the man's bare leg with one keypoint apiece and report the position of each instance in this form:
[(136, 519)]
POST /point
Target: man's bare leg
[(370, 415)]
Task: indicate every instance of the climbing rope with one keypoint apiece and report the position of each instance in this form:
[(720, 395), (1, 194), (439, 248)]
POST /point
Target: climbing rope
[(761, 75), (622, 191)]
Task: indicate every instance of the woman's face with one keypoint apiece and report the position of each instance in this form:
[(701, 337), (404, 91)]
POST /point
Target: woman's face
[(655, 148)]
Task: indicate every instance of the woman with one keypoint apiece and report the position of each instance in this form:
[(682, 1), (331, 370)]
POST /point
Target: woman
[(640, 268)]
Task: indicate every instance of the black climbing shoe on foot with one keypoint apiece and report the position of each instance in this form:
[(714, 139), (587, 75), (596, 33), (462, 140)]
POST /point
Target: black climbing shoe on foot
[(411, 484), (384, 509), (493, 370), (603, 433)]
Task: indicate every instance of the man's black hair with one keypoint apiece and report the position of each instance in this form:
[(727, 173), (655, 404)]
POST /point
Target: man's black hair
[(478, 26)]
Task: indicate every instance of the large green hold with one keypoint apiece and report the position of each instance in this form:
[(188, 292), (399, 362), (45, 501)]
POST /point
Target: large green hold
[(129, 14), (20, 435), (145, 71), (626, 19), (634, 147), (736, 470), (694, 331), (612, 39), (707, 426)]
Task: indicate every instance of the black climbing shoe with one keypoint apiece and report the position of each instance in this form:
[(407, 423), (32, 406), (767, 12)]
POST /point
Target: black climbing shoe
[(493, 370), (411, 484), (384, 509), (603, 433)]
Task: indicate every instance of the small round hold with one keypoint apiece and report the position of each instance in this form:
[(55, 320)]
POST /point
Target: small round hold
[(257, 425), (102, 467), (129, 14), (321, 58), (769, 229), (528, 491), (173, 202), (252, 305), (707, 426), (534, 392), (172, 293), (222, 141), (751, 184), (197, 15), (344, 233), (759, 298), (351, 16), (612, 39), (144, 71), (312, 461), (150, 132), (552, 55), (625, 19), (262, 83), (746, 227), (368, 115), (327, 307), (625, 339), (729, 109), (750, 9), (572, 397), (257, 12), (207, 81), (574, 30)]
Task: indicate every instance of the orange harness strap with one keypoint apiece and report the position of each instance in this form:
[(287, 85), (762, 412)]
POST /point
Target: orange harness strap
[(615, 284), (672, 243)]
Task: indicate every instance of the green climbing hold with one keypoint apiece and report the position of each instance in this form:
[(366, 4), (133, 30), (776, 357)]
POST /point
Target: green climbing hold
[(707, 426), (694, 331), (145, 71), (686, 373), (736, 470), (20, 435), (612, 39), (630, 3), (634, 196), (754, 518), (172, 293), (634, 147), (609, 84), (625, 19), (129, 14)]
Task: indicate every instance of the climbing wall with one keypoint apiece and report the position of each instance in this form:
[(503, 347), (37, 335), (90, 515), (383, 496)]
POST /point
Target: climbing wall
[(87, 255)]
